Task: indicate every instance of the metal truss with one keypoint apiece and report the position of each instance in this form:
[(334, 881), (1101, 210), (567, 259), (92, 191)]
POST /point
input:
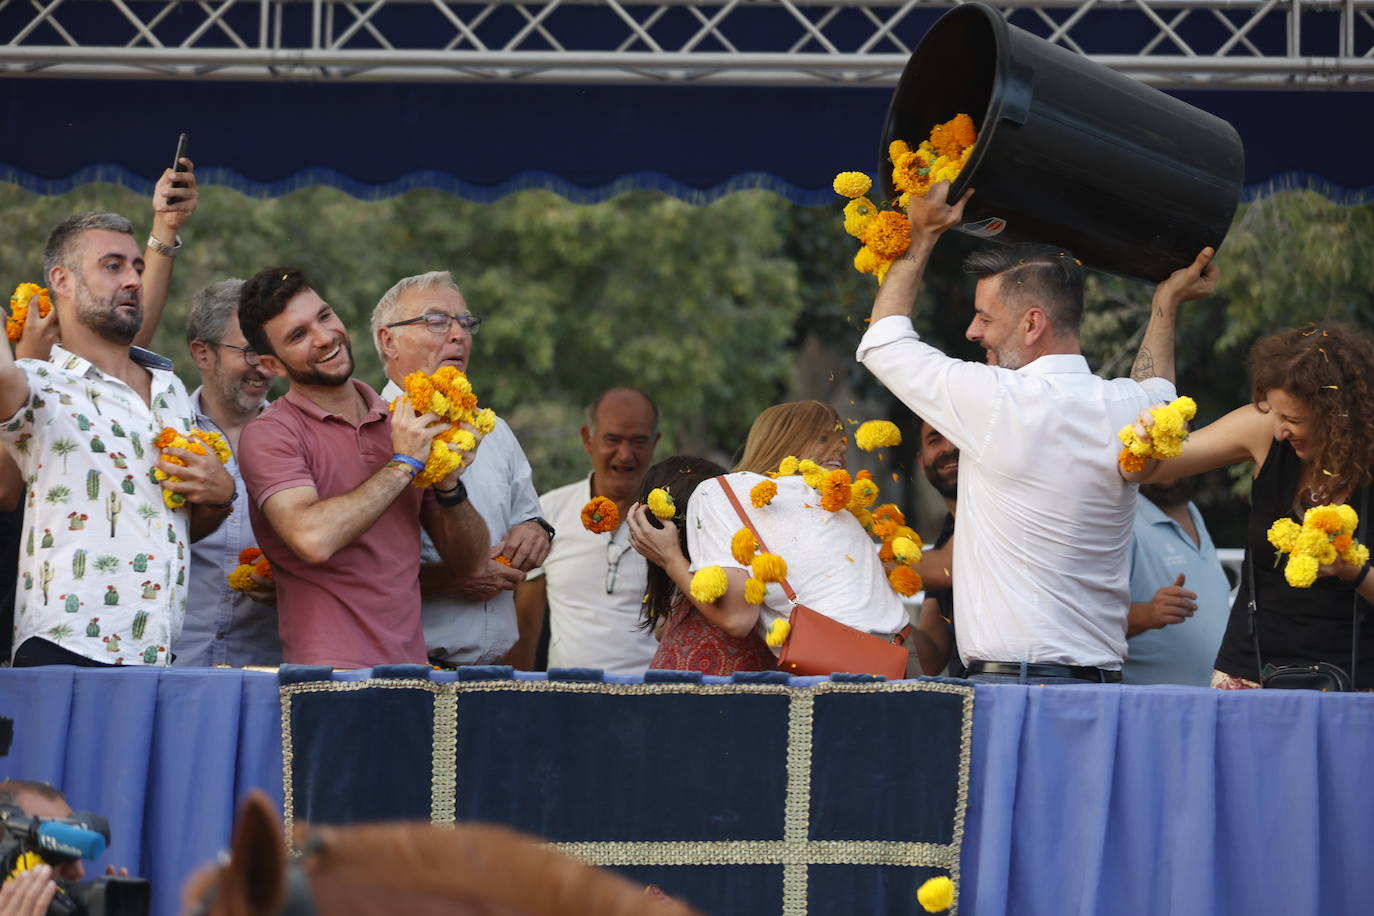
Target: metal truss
[(1316, 44)]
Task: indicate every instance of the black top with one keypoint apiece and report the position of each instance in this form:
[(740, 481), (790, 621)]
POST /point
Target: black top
[(1297, 626)]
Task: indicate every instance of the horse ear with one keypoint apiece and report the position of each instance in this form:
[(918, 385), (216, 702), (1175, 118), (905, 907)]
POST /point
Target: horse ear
[(256, 876)]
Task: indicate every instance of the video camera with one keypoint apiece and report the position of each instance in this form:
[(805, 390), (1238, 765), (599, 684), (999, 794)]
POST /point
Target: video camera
[(26, 842)]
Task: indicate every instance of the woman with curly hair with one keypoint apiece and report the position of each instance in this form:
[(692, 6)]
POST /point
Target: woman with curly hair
[(688, 640), (1310, 432)]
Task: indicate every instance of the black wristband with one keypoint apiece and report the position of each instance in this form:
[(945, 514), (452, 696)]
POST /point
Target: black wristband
[(225, 507), (455, 497), (1359, 580)]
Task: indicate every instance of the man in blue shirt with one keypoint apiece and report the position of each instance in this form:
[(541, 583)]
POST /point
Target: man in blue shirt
[(1173, 630)]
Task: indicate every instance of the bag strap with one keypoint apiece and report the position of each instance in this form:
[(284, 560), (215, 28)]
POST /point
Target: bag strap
[(1252, 609), (744, 517)]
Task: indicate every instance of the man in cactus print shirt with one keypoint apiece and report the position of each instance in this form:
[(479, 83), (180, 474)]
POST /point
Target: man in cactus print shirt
[(103, 560)]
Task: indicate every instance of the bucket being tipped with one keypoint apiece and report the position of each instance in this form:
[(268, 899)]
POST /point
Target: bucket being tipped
[(1131, 180)]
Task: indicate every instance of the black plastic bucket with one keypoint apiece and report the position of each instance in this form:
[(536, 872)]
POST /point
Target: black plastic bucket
[(1132, 181)]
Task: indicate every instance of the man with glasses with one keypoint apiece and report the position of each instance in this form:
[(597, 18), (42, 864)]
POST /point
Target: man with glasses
[(421, 324), (594, 583), (224, 626)]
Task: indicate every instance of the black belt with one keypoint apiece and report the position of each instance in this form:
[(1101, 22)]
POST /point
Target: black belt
[(1031, 670)]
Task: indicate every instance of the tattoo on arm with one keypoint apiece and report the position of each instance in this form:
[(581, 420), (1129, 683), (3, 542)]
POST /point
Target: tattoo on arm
[(1144, 365)]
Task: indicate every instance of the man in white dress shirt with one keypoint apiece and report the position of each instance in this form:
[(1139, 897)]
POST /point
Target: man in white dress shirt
[(423, 323), (1041, 564)]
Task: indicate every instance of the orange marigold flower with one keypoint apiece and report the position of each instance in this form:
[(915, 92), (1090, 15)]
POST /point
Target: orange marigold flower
[(864, 474), (769, 567), (889, 511), (743, 546), (905, 581), (888, 234), (884, 528), (263, 568), (600, 515), (25, 293), (835, 490), (950, 138), (762, 494), (886, 554), (1342, 542), (166, 437), (1130, 462), (249, 555)]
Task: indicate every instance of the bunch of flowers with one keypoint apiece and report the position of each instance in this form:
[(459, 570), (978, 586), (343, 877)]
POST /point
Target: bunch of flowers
[(447, 393), (1326, 532), (196, 441), (600, 515), (25, 293), (252, 562), (886, 234), (1165, 437)]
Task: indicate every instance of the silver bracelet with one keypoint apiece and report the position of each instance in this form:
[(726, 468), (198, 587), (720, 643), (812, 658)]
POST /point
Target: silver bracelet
[(162, 247)]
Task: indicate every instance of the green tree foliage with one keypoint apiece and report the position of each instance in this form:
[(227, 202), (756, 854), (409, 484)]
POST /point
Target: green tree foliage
[(693, 304)]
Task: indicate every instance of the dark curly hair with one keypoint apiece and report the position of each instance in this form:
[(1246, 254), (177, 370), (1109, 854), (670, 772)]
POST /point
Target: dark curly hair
[(264, 297), (679, 475), (1330, 368)]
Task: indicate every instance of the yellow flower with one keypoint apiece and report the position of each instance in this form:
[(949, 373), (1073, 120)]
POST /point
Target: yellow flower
[(836, 490), (862, 494), (754, 590), (904, 532), (857, 214), (1356, 555), (484, 420), (888, 234), (877, 434), (1311, 542), (881, 272), (1283, 534), (936, 895), (897, 148), (661, 504), (812, 473), (709, 584), (866, 262), (1166, 436), (852, 184), (762, 493), (743, 546), (905, 550), (1301, 571), (1350, 519), (241, 578), (769, 567), (950, 138), (788, 466), (1323, 518), (863, 515), (778, 631)]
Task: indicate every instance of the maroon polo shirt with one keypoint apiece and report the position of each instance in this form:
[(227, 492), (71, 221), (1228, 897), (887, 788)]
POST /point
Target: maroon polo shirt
[(362, 607)]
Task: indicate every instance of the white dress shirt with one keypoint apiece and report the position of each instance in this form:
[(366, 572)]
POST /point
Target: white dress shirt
[(1041, 563)]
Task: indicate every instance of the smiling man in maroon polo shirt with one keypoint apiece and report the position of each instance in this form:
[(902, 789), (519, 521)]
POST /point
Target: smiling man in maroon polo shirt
[(328, 472)]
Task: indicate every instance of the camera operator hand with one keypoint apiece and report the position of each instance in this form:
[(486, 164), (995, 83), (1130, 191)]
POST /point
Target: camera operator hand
[(29, 893)]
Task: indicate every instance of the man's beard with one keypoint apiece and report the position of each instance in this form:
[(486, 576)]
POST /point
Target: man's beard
[(231, 392), (313, 376), (104, 318), (947, 487)]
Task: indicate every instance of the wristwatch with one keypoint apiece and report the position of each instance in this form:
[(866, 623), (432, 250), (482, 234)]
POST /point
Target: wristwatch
[(548, 529)]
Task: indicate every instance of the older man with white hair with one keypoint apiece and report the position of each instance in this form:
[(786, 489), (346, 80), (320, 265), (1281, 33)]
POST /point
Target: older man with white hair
[(423, 323)]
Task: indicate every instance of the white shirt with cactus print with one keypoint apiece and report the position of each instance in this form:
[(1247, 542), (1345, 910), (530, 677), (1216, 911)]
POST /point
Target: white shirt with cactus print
[(102, 566)]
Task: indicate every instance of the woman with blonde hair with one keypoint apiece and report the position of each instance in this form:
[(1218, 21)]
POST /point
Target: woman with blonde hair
[(832, 563), (1309, 430)]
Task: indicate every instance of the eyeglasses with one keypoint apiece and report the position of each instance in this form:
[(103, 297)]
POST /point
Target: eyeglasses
[(438, 322), (614, 554), (250, 356)]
